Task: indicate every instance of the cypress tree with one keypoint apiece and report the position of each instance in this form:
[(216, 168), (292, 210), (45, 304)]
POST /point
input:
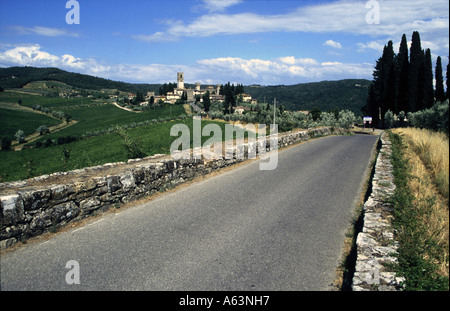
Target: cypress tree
[(402, 63), (374, 100), (372, 108), (383, 97), (428, 91), (389, 79), (446, 74), (440, 94), (416, 74)]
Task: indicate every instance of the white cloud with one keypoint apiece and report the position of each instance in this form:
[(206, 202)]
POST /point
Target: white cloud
[(219, 5), (27, 56), (431, 19), (340, 16), (44, 31), (373, 45), (156, 37), (283, 70), (291, 60), (333, 44), (32, 55), (331, 63)]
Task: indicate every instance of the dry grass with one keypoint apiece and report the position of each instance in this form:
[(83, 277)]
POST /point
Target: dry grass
[(433, 150), (428, 156)]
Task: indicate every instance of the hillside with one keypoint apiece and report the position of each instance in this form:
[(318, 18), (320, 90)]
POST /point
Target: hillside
[(348, 94), (17, 77)]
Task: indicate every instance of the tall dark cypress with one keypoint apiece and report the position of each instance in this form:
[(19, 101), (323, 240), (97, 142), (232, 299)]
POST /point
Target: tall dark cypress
[(416, 74), (375, 101), (402, 63), (428, 90), (446, 74), (440, 94), (382, 92), (389, 79), (372, 107)]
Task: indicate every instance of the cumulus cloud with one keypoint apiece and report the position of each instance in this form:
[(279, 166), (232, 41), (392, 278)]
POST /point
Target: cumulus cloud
[(344, 16), (373, 45), (333, 44), (283, 70), (287, 68), (32, 55), (339, 16)]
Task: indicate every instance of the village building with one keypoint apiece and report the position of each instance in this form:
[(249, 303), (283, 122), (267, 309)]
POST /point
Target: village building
[(192, 95), (241, 109), (196, 92)]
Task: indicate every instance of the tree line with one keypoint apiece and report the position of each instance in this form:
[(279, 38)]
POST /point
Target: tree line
[(25, 75), (403, 82), (230, 91)]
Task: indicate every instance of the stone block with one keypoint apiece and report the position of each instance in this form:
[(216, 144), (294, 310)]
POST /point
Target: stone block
[(127, 181), (37, 199), (113, 183), (12, 210), (90, 204)]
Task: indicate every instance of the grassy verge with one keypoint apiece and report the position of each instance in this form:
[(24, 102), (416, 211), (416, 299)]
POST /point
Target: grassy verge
[(346, 269), (420, 214)]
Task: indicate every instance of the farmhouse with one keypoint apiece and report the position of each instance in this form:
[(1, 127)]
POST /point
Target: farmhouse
[(241, 109)]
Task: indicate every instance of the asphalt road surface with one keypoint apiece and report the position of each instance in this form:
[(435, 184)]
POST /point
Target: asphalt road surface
[(243, 229)]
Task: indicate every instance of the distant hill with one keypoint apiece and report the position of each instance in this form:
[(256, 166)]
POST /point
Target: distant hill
[(348, 94), (17, 77)]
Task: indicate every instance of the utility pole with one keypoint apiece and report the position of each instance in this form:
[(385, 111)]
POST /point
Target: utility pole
[(274, 110)]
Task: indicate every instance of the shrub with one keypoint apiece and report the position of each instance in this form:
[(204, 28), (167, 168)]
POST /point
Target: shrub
[(388, 119), (133, 147), (65, 139), (38, 144), (43, 129), (6, 143), (48, 142), (435, 118), (20, 136), (346, 119), (328, 119)]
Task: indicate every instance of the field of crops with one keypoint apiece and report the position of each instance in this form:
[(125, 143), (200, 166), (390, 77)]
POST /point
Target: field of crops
[(94, 140)]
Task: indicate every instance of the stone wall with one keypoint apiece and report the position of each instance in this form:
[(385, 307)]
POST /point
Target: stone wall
[(31, 207), (376, 246)]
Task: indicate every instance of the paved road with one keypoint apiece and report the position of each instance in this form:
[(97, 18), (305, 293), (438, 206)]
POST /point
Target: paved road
[(244, 229)]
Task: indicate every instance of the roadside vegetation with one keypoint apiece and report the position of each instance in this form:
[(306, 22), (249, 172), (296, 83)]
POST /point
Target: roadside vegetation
[(421, 216), (52, 134)]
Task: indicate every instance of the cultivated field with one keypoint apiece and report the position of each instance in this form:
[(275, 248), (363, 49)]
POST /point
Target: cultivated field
[(91, 140)]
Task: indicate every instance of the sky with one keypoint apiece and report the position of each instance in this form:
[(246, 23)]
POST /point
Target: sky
[(266, 42)]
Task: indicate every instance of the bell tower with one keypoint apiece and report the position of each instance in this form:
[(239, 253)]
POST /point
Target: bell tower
[(180, 80)]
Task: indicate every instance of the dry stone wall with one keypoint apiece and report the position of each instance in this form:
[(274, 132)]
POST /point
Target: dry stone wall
[(376, 245), (31, 207)]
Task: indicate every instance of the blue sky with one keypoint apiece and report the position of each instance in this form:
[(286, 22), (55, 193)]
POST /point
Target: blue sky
[(266, 42)]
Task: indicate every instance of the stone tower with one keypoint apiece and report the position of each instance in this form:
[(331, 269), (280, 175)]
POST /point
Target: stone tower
[(180, 80)]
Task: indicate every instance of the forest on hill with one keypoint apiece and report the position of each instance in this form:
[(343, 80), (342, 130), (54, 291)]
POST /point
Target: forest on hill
[(17, 77), (350, 94)]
